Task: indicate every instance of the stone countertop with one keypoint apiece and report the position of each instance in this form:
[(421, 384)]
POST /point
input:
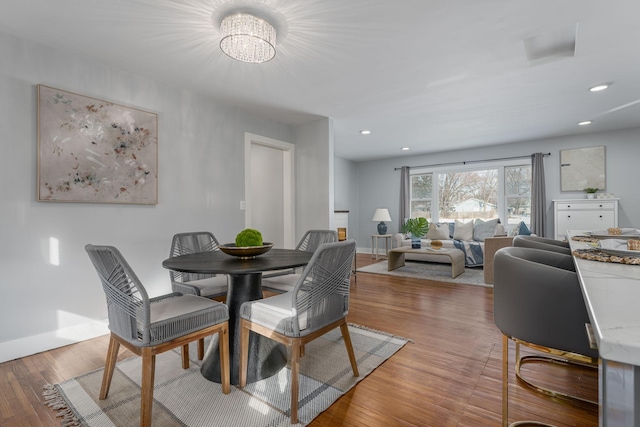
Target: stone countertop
[(612, 294)]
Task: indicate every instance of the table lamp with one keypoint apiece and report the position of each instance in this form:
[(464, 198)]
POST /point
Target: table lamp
[(382, 215)]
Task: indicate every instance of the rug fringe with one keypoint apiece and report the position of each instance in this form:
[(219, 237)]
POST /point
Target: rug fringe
[(53, 399), (366, 328)]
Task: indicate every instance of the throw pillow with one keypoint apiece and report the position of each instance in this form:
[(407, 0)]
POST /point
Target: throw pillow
[(438, 232), (483, 229), (463, 230), (521, 229)]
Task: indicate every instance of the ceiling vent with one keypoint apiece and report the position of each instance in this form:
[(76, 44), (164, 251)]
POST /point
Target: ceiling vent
[(551, 46)]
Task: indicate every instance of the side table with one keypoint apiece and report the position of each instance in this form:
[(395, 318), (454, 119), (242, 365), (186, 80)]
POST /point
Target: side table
[(491, 246), (374, 244)]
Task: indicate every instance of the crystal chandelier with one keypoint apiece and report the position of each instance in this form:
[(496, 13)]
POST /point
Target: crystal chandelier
[(247, 38)]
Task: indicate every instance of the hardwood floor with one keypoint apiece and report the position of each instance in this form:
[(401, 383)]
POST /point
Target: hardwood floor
[(449, 375)]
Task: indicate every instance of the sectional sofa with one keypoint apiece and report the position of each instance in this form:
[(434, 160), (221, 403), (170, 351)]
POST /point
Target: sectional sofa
[(468, 236)]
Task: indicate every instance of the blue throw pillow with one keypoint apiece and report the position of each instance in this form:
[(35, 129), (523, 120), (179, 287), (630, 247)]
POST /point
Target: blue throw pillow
[(523, 229)]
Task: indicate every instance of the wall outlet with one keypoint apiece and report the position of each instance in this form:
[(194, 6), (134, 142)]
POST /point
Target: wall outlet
[(243, 205)]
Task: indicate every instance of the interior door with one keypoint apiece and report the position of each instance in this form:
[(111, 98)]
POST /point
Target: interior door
[(269, 189)]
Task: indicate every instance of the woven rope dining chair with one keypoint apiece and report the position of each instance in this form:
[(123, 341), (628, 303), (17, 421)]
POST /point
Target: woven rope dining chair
[(150, 326), (213, 286), (206, 285), (284, 281), (318, 304)]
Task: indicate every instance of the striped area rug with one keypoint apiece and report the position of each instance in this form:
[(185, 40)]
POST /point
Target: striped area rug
[(185, 398)]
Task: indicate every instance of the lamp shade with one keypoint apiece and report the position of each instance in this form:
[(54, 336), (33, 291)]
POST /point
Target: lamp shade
[(381, 215)]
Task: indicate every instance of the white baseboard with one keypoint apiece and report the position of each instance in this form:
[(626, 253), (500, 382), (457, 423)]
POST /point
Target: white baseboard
[(10, 350)]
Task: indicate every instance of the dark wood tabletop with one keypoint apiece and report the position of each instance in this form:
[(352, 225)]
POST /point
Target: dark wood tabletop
[(217, 262)]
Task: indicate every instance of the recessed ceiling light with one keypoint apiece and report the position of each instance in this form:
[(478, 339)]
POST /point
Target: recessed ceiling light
[(586, 122), (365, 132), (405, 148), (600, 87)]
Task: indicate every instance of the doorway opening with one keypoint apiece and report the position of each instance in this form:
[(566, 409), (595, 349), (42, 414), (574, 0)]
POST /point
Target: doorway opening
[(269, 189)]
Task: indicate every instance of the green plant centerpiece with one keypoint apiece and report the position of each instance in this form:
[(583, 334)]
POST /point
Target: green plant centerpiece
[(248, 245), (249, 237), (590, 192), (417, 227)]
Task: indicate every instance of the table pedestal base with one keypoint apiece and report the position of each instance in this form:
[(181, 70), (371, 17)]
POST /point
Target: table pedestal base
[(266, 357)]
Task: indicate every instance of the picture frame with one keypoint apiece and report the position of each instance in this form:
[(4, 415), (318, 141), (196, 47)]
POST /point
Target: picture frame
[(95, 151), (582, 168)]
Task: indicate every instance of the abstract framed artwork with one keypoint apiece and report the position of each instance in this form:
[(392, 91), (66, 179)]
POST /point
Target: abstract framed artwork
[(95, 151), (581, 168)]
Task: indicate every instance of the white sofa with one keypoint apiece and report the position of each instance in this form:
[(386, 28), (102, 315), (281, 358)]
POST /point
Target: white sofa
[(470, 240)]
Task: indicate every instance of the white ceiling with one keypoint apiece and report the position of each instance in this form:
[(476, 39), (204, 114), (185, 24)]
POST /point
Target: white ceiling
[(432, 75)]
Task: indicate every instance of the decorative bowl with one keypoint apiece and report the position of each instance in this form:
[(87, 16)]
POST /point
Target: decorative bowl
[(245, 252)]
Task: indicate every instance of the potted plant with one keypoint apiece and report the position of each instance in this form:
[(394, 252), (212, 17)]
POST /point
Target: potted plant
[(591, 192), (417, 227)]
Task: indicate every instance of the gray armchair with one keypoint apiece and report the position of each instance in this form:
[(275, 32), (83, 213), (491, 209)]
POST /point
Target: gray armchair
[(149, 326), (536, 242), (285, 281), (538, 303), (318, 303)]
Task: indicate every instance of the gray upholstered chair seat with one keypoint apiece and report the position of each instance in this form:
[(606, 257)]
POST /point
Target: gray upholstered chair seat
[(277, 312), (182, 314), (283, 283), (211, 286)]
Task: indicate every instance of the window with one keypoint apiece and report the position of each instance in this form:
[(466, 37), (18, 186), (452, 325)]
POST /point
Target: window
[(421, 195), (502, 190), (517, 194), (468, 195)]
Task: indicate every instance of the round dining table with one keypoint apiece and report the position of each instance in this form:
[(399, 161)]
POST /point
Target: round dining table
[(266, 357)]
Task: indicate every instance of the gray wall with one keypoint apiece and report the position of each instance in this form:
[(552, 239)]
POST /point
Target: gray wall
[(379, 184), (201, 184), (314, 163), (346, 191)]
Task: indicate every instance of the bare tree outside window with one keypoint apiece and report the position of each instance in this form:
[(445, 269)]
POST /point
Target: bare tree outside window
[(468, 195)]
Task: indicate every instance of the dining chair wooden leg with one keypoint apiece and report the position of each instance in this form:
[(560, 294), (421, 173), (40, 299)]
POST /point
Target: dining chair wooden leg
[(295, 372), (185, 356), (201, 349), (344, 328), (225, 375), (146, 398), (244, 352), (109, 367)]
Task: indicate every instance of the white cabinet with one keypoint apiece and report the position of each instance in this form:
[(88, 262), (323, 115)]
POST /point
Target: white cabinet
[(584, 214)]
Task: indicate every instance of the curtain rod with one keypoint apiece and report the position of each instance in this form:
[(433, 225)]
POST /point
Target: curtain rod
[(471, 162)]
